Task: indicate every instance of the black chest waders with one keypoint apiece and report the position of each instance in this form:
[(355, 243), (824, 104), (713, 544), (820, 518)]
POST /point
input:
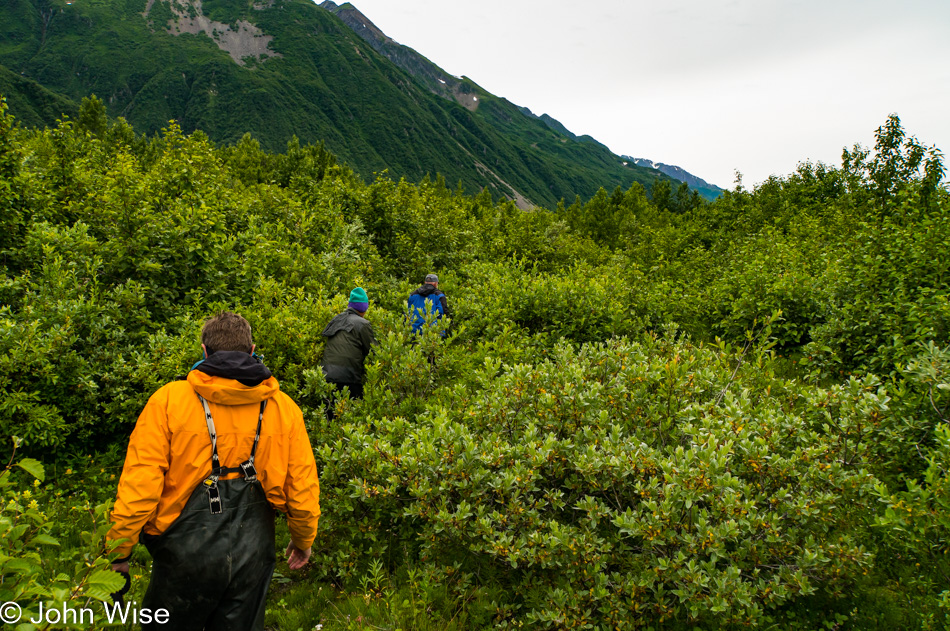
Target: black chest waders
[(212, 567)]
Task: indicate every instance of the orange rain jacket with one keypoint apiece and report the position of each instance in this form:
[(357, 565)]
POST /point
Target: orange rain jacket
[(170, 454)]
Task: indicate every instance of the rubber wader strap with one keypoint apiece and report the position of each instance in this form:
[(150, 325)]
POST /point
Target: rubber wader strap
[(246, 467)]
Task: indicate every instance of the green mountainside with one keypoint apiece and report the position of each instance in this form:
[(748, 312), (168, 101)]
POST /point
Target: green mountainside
[(283, 68), (463, 91), (35, 105)]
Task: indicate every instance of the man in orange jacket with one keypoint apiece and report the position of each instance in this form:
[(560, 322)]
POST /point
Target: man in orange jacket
[(210, 459)]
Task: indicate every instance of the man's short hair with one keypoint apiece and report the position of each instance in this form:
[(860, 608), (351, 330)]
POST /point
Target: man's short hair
[(227, 331)]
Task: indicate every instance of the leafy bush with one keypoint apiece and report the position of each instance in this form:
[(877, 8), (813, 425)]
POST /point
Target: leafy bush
[(640, 413), (614, 483), (36, 568)]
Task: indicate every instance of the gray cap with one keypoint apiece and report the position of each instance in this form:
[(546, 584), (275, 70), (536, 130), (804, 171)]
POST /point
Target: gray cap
[(431, 278)]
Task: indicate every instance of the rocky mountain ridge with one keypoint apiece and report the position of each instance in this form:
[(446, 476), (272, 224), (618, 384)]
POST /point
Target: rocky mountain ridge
[(429, 74), (673, 171)]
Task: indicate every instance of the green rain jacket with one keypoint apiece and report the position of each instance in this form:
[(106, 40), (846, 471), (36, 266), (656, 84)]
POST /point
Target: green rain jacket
[(349, 339)]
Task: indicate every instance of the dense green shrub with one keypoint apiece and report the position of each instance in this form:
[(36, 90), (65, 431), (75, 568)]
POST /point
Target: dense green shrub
[(768, 273), (630, 484), (641, 412), (580, 303), (53, 552)]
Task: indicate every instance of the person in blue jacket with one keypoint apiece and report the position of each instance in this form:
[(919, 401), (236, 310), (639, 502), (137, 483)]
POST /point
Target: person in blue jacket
[(425, 301)]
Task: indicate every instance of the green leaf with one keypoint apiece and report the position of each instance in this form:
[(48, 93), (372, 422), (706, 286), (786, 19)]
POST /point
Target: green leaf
[(33, 467), (20, 566), (103, 583), (45, 540), (17, 531)]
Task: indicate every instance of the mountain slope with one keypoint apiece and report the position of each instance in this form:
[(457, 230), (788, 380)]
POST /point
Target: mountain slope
[(33, 105), (279, 68), (429, 74), (460, 90), (710, 191)]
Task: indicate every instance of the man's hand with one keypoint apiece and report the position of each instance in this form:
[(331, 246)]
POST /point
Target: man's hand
[(296, 558), (122, 568)]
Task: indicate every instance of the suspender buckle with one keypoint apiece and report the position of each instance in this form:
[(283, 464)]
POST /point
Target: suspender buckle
[(214, 495), (250, 473)]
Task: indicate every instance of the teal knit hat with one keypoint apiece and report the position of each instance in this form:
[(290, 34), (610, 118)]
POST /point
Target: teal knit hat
[(359, 300)]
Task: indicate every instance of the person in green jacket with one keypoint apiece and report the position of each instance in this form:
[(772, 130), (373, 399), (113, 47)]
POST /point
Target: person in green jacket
[(349, 340)]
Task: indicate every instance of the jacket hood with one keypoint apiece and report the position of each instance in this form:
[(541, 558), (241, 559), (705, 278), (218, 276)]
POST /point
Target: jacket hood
[(233, 378), (346, 321), (427, 290)]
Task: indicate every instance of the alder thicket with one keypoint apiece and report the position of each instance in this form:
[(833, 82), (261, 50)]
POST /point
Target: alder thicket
[(648, 411)]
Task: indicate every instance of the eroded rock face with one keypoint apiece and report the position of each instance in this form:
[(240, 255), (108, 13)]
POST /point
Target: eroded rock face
[(246, 41)]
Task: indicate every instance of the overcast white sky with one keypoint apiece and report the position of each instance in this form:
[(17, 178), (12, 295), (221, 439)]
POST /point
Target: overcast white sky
[(713, 86)]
